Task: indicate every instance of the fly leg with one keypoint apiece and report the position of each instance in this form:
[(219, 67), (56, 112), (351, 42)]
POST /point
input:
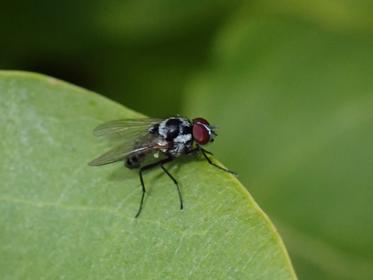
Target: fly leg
[(176, 183), (196, 150), (143, 192), (205, 153), (141, 170)]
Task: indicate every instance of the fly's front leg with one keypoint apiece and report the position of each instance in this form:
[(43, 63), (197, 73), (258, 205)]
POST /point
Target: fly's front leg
[(198, 149), (205, 153)]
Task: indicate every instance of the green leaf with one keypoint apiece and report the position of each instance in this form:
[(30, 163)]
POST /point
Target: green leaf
[(297, 100), (60, 218)]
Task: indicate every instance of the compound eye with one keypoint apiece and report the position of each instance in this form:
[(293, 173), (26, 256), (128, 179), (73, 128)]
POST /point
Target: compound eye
[(200, 120), (201, 133)]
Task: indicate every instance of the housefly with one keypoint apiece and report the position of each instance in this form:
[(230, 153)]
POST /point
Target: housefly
[(148, 143)]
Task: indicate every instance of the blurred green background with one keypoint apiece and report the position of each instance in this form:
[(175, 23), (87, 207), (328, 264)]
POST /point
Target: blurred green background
[(289, 83)]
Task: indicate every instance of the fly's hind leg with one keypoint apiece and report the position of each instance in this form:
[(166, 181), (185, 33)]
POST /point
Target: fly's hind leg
[(143, 192)]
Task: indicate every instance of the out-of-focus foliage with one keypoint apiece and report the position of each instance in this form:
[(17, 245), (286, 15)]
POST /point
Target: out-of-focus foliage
[(289, 83), (137, 52)]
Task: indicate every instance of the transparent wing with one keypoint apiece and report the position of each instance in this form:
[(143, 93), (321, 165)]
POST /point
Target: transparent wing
[(124, 128), (117, 154), (145, 144), (133, 135)]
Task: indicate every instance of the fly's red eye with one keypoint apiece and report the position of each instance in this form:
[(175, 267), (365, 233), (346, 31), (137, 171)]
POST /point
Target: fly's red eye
[(200, 120), (200, 133)]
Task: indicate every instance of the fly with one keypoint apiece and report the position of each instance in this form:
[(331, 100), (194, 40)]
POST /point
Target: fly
[(162, 140)]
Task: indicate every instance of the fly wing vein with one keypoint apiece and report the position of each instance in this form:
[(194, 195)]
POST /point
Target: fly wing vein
[(134, 137), (123, 127), (116, 154)]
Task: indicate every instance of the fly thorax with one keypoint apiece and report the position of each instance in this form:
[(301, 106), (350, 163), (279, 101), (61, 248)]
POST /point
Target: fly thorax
[(178, 133)]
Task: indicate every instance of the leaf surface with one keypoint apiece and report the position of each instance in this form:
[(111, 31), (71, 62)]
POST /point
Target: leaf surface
[(60, 218)]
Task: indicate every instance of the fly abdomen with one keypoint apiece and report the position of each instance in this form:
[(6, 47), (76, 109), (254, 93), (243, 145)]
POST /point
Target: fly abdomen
[(134, 161)]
